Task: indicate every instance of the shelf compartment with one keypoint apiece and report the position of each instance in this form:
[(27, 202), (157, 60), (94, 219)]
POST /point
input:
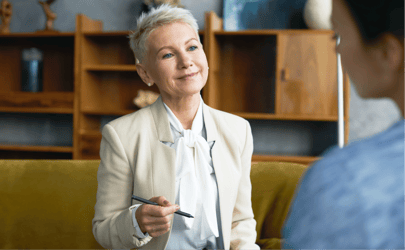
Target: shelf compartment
[(111, 93), (41, 102), (242, 69), (293, 138), (110, 67), (110, 49), (57, 63)]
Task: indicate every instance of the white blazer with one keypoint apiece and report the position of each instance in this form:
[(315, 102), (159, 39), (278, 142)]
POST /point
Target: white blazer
[(135, 161)]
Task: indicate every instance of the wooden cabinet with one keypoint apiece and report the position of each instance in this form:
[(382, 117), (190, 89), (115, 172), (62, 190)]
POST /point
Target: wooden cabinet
[(281, 78)]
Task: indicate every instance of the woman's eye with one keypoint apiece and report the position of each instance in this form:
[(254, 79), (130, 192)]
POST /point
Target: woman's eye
[(192, 48), (168, 55)]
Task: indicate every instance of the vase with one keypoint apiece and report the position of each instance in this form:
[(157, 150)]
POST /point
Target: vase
[(317, 14)]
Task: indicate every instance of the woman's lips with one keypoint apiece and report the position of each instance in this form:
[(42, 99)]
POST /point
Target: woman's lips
[(188, 76)]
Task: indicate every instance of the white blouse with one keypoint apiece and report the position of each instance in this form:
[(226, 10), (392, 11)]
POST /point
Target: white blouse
[(196, 188)]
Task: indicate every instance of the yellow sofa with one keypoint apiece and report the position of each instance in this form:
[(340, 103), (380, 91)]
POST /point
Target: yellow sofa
[(50, 203)]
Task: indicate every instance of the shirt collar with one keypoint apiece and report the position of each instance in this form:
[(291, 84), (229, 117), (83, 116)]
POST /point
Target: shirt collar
[(198, 121)]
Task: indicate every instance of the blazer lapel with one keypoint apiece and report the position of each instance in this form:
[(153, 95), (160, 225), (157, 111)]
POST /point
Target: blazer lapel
[(163, 157), (222, 172)]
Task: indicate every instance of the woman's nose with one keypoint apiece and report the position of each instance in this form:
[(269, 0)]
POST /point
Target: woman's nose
[(185, 60)]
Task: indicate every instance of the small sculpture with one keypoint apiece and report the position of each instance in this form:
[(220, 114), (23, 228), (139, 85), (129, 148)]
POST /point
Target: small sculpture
[(50, 16), (147, 5), (5, 15), (145, 98)]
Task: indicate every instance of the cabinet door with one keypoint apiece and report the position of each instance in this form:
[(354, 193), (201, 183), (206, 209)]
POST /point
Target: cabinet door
[(306, 75)]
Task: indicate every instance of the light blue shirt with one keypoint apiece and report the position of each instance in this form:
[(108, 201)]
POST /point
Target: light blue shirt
[(352, 198)]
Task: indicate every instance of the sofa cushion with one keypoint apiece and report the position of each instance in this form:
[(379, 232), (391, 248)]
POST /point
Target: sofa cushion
[(47, 203)]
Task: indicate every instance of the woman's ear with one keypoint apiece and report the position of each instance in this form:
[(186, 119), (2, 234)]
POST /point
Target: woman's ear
[(140, 68)]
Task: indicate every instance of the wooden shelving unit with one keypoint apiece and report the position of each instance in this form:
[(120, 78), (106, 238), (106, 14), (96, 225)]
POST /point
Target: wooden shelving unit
[(57, 96), (283, 75), (266, 75)]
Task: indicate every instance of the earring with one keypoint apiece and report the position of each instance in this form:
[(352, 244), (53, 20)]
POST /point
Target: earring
[(149, 84)]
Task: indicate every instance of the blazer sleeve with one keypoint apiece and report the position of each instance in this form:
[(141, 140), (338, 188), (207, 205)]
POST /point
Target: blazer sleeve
[(112, 222), (243, 231)]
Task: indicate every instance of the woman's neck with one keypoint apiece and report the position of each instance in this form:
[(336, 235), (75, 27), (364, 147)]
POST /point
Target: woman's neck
[(184, 108)]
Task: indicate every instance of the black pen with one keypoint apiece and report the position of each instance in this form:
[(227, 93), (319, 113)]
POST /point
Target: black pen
[(154, 203)]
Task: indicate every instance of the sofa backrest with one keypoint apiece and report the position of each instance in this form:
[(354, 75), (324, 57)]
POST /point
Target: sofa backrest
[(47, 204), (273, 188)]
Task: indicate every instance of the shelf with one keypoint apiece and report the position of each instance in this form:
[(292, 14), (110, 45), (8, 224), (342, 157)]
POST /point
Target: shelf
[(117, 33), (41, 102), (262, 116), (36, 148), (110, 67), (272, 32), (307, 160), (108, 112), (38, 34)]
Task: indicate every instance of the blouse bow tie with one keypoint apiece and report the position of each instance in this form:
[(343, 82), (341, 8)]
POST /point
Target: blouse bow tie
[(193, 171)]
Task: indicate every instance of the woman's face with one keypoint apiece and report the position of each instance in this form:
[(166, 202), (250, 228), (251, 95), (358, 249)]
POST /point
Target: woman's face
[(356, 59), (175, 61)]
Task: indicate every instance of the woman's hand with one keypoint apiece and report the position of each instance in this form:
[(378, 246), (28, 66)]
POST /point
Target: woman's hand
[(153, 219)]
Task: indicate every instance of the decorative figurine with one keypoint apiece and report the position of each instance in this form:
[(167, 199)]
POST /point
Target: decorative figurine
[(5, 15), (145, 98), (147, 5), (50, 16)]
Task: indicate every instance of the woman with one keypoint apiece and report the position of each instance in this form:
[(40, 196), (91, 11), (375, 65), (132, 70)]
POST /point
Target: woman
[(175, 151), (354, 197)]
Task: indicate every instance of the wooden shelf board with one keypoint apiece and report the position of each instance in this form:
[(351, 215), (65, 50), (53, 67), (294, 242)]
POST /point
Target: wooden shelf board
[(117, 33), (108, 112), (37, 110), (39, 34), (110, 67), (107, 33), (58, 149), (263, 116), (84, 132), (42, 102), (272, 32), (299, 159)]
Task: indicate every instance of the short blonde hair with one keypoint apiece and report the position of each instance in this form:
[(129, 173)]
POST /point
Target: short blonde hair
[(148, 22)]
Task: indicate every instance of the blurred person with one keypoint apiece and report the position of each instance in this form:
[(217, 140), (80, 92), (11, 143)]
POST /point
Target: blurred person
[(177, 152), (354, 197)]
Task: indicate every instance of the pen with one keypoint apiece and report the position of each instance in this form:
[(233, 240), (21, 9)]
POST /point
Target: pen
[(154, 203)]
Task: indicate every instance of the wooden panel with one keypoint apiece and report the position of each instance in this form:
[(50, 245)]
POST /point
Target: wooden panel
[(307, 79), (44, 100)]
